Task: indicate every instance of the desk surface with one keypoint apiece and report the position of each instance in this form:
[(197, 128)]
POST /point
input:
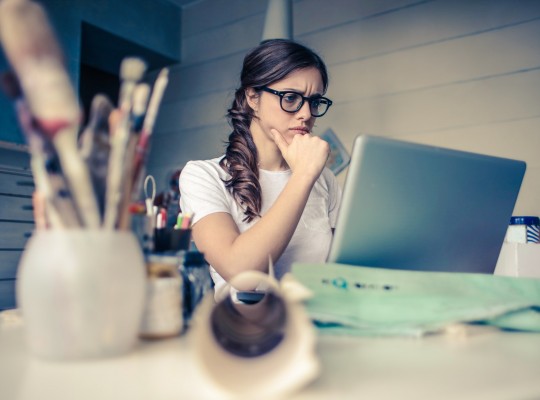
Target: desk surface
[(484, 364)]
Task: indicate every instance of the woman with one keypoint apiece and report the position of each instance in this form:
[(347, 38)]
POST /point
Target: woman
[(270, 195)]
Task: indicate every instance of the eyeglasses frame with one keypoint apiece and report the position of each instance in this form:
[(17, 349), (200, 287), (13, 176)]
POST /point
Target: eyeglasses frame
[(282, 94)]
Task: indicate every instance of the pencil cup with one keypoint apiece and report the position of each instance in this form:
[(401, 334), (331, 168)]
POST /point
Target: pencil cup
[(81, 293), (170, 239)]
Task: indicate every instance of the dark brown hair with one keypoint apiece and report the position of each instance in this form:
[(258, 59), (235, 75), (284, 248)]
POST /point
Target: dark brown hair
[(267, 63)]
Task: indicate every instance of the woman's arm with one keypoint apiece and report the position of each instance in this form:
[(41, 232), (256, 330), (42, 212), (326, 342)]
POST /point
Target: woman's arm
[(230, 251)]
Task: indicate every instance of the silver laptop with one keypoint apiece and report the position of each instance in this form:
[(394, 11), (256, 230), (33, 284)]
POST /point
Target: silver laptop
[(419, 207)]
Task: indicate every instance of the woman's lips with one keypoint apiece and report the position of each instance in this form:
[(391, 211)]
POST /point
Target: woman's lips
[(300, 130)]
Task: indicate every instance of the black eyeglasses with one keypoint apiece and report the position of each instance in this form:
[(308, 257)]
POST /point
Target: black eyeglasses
[(291, 102)]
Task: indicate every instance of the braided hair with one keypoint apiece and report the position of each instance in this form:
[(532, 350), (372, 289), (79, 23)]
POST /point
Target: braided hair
[(271, 61)]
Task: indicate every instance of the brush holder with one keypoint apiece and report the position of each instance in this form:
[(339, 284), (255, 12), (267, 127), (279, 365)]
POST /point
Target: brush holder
[(81, 293)]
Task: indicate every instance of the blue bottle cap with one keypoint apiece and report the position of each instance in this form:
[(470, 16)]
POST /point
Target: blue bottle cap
[(525, 220)]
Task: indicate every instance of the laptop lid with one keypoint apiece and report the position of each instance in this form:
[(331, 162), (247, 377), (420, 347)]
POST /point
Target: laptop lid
[(419, 207)]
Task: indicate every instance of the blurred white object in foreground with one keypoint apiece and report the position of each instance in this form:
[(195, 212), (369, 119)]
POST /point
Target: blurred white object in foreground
[(262, 347), (519, 259)]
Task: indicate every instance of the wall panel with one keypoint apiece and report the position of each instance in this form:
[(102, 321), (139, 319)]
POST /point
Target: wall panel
[(204, 78), (216, 43), (492, 53), (514, 96), (193, 112), (213, 15), (454, 73), (426, 23)]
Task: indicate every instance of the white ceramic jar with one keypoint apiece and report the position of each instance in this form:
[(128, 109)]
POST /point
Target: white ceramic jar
[(81, 293)]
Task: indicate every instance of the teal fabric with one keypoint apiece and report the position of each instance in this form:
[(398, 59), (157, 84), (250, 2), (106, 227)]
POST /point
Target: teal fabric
[(386, 302)]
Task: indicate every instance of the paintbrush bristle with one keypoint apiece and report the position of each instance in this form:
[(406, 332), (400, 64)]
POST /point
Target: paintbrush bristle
[(101, 104), (132, 69)]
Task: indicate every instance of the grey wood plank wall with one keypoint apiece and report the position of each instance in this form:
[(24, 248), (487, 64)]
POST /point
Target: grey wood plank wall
[(463, 74)]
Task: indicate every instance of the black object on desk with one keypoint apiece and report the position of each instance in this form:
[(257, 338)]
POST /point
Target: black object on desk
[(170, 239), (250, 296)]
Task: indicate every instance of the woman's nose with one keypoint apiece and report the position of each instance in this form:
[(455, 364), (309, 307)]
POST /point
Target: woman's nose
[(304, 112)]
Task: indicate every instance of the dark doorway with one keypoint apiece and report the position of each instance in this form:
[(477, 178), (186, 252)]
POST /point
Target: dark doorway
[(101, 55)]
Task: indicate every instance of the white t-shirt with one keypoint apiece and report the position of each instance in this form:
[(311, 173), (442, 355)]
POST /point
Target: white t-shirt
[(203, 192)]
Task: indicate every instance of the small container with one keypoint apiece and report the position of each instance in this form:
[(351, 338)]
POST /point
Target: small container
[(162, 317), (523, 229), (81, 293), (171, 240)]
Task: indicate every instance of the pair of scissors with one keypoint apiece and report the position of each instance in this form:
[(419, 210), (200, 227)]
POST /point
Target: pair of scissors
[(149, 187)]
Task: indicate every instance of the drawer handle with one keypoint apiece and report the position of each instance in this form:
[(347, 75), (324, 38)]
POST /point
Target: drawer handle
[(25, 183), (27, 234), (28, 208)]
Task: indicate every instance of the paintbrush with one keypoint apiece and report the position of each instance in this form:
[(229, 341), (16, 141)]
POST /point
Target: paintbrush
[(50, 185), (131, 71), (138, 111), (143, 145), (32, 49), (140, 103), (95, 146)]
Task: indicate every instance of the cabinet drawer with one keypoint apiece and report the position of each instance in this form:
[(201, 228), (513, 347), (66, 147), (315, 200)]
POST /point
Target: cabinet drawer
[(16, 183), (13, 235), (16, 208), (7, 294), (9, 261)]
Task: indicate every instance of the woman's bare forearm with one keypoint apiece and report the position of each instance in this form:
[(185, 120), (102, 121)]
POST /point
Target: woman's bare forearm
[(231, 252)]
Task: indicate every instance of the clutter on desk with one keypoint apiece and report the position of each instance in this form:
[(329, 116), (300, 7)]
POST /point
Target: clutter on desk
[(149, 222), (81, 280), (366, 301), (254, 340)]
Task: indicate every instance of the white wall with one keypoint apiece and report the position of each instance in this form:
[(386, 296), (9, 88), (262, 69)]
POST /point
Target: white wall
[(463, 74)]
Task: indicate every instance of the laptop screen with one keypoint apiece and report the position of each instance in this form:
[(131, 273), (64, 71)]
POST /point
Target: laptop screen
[(419, 207)]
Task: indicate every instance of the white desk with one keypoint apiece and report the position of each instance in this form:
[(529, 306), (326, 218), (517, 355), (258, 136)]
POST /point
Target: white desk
[(486, 364)]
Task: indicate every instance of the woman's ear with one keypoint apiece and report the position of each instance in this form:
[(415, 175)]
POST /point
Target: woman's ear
[(252, 98)]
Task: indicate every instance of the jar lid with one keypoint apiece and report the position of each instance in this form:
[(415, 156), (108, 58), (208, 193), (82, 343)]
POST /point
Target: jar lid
[(525, 220)]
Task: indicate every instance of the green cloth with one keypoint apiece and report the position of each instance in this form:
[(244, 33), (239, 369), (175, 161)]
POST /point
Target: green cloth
[(387, 302)]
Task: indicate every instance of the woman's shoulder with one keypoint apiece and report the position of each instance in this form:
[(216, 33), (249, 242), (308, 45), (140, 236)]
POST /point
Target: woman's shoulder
[(211, 163), (205, 167)]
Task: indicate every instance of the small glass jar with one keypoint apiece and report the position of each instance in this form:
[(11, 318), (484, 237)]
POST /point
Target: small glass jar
[(162, 315)]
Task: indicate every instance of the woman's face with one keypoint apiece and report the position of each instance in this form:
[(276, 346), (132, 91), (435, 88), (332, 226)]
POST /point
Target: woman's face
[(269, 114)]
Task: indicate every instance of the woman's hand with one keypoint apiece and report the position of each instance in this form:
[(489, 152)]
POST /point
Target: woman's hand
[(306, 154)]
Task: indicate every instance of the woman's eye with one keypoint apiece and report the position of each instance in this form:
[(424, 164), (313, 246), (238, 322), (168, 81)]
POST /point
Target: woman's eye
[(290, 97)]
